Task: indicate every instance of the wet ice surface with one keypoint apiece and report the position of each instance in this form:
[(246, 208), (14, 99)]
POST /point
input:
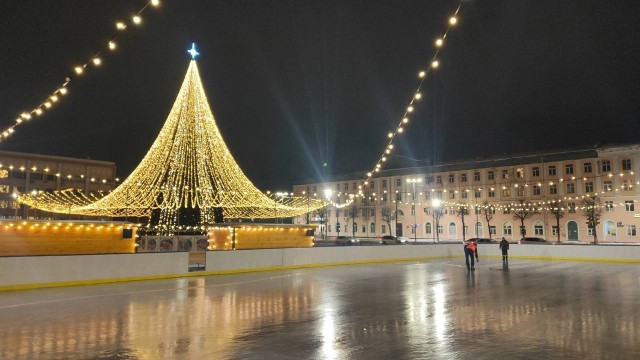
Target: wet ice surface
[(436, 310)]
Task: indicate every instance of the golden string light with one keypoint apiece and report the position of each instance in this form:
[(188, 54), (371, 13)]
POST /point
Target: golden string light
[(415, 97), (78, 70), (187, 166)]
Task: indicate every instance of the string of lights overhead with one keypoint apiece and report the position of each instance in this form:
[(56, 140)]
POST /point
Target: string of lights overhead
[(94, 61), (433, 64)]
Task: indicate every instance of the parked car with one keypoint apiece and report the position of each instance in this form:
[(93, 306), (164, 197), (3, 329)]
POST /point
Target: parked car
[(483, 240), (392, 240), (369, 241), (343, 240), (532, 240)]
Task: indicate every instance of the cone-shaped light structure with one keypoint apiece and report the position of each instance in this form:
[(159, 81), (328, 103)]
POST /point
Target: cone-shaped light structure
[(188, 166)]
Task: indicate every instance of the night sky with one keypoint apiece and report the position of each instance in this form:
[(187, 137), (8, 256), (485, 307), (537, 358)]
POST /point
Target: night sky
[(297, 83)]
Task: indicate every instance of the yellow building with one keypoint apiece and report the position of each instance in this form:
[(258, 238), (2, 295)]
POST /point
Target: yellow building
[(506, 186)]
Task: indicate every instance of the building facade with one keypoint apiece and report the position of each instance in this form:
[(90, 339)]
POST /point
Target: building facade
[(22, 173), (551, 194)]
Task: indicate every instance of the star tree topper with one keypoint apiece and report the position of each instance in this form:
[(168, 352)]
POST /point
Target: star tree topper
[(193, 51)]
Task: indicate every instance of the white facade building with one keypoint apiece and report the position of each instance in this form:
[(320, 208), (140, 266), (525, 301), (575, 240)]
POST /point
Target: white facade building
[(511, 185)]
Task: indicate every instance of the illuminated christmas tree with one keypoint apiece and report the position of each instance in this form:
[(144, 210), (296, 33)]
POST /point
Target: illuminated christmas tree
[(188, 167)]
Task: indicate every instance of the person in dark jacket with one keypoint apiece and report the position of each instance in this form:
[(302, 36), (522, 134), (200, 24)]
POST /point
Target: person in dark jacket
[(471, 250), (504, 245)]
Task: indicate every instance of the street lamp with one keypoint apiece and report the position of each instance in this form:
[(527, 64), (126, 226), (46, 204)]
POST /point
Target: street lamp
[(414, 181), (327, 194), (435, 203)]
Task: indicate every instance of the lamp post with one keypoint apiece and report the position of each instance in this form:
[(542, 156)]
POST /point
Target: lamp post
[(436, 217), (327, 194), (414, 181)]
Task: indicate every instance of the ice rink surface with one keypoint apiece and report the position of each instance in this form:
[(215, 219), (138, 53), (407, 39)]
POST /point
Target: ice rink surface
[(419, 310)]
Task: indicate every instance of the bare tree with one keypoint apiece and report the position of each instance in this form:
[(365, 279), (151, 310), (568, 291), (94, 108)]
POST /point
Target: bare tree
[(557, 210), (522, 212), (353, 214), (592, 210), (437, 214), (488, 211), (388, 215), (462, 210)]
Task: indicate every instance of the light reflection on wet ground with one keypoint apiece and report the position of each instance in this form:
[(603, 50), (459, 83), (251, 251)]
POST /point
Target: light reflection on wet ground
[(533, 309)]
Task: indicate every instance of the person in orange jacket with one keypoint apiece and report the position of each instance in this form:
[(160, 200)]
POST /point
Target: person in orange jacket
[(471, 251)]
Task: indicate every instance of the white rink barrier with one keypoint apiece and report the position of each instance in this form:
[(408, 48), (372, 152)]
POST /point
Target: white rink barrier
[(46, 271), (272, 259)]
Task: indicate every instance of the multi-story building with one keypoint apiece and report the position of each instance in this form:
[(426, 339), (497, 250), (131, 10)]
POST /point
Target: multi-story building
[(22, 173), (537, 190)]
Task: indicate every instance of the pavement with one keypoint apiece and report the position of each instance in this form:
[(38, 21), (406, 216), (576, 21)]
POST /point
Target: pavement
[(408, 310)]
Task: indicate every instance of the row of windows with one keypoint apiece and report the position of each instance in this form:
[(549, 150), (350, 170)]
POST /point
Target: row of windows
[(552, 170), (610, 229)]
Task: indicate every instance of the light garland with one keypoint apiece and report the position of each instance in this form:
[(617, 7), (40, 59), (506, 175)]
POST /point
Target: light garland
[(187, 166), (415, 97), (62, 90)]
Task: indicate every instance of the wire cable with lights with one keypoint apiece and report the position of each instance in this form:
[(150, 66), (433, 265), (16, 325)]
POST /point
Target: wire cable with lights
[(62, 90)]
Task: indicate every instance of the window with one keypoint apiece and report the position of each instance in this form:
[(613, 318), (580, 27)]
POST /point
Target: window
[(552, 170), (315, 189), (413, 230), (506, 210), (427, 195), (440, 230), (429, 180), (626, 164), (413, 209), (399, 197), (492, 193), (439, 194), (384, 183), (346, 187), (329, 228), (337, 187), (364, 229), (506, 229), (568, 169), (492, 229), (427, 228), (398, 182), (520, 172), (465, 194), (372, 228), (427, 210), (629, 205), (383, 229), (478, 210), (536, 189), (588, 187), (506, 192), (610, 228), (590, 231), (587, 167), (606, 166), (608, 206), (608, 185), (553, 189), (491, 175), (452, 229), (452, 178), (355, 228), (631, 230), (452, 195), (520, 190), (505, 174), (554, 230), (571, 188), (36, 176), (571, 207), (384, 197), (438, 179), (465, 229), (535, 171), (476, 176), (463, 177), (626, 184), (372, 186), (478, 193)]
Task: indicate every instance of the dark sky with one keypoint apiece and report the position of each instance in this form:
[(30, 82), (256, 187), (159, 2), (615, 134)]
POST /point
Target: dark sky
[(296, 83)]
